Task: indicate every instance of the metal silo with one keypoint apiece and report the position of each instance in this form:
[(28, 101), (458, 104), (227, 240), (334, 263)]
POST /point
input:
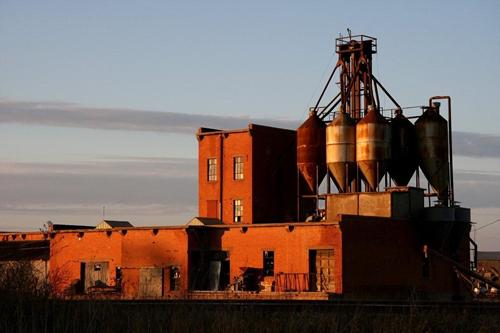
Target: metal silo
[(311, 155), (341, 150), (373, 147), (432, 147), (403, 149)]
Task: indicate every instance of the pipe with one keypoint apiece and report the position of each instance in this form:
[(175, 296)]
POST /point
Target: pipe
[(465, 270), (450, 146), (221, 176)]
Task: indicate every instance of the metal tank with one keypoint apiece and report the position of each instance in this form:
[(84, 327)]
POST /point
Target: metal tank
[(403, 149), (341, 150), (432, 147), (373, 147), (311, 155)]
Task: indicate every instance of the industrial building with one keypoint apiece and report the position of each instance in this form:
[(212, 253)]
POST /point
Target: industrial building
[(358, 202)]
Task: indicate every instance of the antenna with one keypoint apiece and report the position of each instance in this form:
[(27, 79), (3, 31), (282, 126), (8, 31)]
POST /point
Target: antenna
[(103, 212)]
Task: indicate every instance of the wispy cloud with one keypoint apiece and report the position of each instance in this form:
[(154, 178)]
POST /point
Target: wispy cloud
[(72, 115), (476, 144), (108, 166)]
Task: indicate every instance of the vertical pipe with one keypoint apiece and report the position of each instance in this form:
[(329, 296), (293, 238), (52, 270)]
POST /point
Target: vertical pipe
[(377, 188), (450, 152), (221, 176), (451, 186)]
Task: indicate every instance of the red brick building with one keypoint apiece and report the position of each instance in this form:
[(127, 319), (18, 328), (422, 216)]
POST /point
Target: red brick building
[(247, 242), (247, 175)]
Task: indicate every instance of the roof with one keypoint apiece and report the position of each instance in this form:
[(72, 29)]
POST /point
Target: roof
[(24, 250), (106, 224), (204, 221), (55, 227), (202, 131), (488, 255)]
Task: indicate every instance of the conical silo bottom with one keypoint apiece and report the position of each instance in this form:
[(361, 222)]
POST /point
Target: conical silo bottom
[(436, 171), (373, 171), (308, 173), (343, 173)]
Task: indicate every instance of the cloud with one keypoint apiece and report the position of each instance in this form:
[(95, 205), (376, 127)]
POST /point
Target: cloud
[(477, 189), (145, 190), (108, 166), (72, 115), (476, 144)]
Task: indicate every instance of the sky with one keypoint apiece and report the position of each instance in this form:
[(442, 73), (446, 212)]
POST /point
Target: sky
[(100, 100)]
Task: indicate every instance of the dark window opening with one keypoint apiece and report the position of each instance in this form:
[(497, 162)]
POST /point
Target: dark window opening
[(175, 278), (268, 263), (210, 270), (118, 278)]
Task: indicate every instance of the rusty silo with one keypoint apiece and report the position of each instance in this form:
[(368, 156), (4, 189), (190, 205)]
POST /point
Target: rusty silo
[(311, 154), (341, 150), (403, 149), (373, 147), (432, 146)]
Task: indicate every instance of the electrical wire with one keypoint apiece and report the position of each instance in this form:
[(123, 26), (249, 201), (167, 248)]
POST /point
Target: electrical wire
[(326, 71)]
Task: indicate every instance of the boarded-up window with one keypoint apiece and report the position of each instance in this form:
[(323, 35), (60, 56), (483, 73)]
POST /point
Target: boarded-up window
[(151, 282), (321, 269)]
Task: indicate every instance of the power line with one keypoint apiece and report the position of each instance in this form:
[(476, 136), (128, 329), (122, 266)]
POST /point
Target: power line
[(487, 225)]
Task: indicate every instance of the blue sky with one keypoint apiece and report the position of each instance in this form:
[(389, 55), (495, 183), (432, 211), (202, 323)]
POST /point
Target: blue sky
[(202, 62)]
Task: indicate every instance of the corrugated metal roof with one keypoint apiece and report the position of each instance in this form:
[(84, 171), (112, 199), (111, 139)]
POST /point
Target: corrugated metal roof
[(24, 250)]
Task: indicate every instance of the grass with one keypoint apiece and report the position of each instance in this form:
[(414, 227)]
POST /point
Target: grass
[(26, 306), (48, 315)]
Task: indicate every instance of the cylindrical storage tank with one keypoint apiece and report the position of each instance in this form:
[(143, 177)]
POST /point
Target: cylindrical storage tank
[(403, 149), (341, 150), (432, 147), (373, 147), (311, 155)]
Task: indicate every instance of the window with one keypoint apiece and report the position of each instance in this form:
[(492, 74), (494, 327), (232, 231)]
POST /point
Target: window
[(238, 210), (268, 263), (212, 169), (238, 167)]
